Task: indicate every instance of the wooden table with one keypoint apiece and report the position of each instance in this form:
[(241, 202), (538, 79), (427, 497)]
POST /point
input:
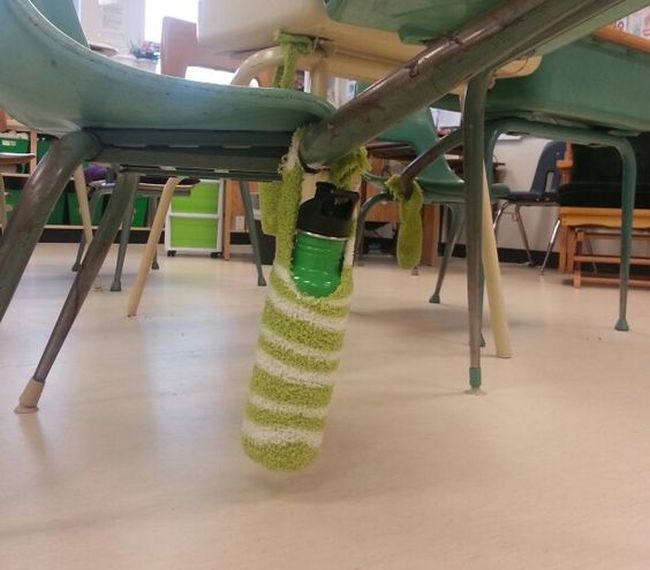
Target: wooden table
[(575, 219)]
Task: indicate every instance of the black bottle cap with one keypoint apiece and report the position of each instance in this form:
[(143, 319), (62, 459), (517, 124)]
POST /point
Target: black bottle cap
[(329, 213)]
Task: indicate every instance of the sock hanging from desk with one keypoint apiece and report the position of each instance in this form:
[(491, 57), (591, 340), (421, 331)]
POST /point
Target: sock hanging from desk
[(301, 336)]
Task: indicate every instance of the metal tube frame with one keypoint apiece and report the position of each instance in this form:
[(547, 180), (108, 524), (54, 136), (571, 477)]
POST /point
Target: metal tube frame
[(474, 116), (456, 226)]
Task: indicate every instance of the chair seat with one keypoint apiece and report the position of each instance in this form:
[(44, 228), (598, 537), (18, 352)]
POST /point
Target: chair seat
[(91, 91), (532, 197)]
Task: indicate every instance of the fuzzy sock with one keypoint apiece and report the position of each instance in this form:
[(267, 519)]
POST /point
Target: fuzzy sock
[(299, 345), (409, 239)]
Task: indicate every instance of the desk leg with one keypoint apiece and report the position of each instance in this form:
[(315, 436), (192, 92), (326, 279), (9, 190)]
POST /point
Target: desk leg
[(492, 273), (3, 205), (152, 245), (562, 249), (431, 220), (627, 219), (227, 219)]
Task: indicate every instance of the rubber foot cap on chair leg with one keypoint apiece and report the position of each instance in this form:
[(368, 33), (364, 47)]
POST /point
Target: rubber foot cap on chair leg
[(622, 325), (434, 299), (261, 282), (475, 380), (116, 287), (28, 401)]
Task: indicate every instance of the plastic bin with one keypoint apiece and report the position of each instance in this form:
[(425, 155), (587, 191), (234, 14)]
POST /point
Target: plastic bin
[(140, 212), (193, 233), (204, 199), (74, 218), (56, 217), (10, 144)]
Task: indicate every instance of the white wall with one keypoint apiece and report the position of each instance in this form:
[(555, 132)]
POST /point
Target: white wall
[(118, 23)]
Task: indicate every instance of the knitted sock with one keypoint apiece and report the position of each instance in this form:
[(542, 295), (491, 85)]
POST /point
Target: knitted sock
[(409, 239), (299, 345)]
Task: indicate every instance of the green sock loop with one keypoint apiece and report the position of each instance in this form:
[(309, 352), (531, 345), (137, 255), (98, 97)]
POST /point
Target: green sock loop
[(409, 240)]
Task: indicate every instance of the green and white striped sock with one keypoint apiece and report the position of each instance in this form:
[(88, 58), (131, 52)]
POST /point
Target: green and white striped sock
[(298, 350)]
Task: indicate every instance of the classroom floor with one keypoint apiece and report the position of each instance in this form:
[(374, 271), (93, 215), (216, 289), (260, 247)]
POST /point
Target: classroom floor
[(133, 461)]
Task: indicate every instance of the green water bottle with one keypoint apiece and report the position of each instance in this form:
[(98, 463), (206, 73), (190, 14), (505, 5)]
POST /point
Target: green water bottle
[(323, 229)]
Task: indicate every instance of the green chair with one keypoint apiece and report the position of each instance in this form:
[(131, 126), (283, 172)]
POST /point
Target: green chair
[(151, 125), (108, 113), (440, 185)]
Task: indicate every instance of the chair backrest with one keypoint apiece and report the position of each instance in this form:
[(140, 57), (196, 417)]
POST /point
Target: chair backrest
[(419, 131), (547, 175), (603, 164), (62, 14)]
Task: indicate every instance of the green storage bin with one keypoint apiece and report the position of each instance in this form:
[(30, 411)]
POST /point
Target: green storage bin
[(204, 199), (58, 213), (74, 218), (140, 212), (9, 144), (56, 217), (193, 233)]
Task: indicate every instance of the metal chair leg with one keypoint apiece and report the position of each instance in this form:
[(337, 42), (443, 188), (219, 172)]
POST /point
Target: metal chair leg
[(475, 184), (524, 236), (253, 231), (361, 222), (627, 215), (453, 235), (127, 221), (36, 202), (101, 243), (497, 219), (551, 245), (93, 203)]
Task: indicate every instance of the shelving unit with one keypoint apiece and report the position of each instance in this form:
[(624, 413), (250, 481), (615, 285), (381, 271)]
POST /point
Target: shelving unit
[(14, 181), (193, 223)]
